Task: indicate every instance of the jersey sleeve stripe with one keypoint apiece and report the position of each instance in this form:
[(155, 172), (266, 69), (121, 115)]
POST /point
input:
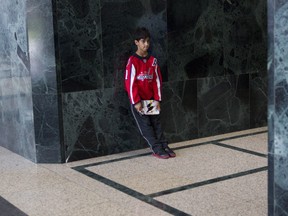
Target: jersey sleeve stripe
[(158, 83), (132, 79)]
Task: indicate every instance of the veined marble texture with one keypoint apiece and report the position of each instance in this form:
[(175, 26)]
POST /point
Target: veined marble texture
[(278, 104), (41, 47), (245, 37), (98, 123), (179, 110), (281, 95), (80, 44), (45, 85), (223, 104), (216, 38), (16, 114), (195, 36), (258, 100), (119, 20), (214, 79), (200, 97)]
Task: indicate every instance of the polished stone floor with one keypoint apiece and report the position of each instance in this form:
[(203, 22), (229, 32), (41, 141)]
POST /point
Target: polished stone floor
[(220, 175)]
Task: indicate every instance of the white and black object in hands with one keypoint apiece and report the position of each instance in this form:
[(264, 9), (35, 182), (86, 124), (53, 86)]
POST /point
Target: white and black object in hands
[(149, 107)]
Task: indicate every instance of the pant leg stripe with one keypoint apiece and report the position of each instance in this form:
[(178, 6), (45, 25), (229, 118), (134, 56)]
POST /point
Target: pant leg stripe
[(140, 129)]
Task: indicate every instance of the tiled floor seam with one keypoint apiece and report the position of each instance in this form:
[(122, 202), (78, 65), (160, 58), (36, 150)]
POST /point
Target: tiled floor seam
[(208, 182), (133, 193), (177, 148), (220, 140), (239, 149), (8, 208), (149, 198)]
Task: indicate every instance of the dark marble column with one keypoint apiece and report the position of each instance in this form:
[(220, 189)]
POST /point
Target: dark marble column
[(278, 106), (16, 114), (45, 89), (29, 93)]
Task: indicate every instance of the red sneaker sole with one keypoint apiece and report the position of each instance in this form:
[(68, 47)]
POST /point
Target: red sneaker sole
[(161, 157)]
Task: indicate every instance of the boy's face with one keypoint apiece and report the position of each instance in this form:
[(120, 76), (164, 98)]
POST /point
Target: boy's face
[(143, 45)]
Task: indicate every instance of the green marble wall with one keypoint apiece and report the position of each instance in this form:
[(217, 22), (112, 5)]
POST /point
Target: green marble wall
[(212, 56), (71, 56)]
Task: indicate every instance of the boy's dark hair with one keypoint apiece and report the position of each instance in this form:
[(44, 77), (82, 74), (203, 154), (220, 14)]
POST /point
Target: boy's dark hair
[(141, 33)]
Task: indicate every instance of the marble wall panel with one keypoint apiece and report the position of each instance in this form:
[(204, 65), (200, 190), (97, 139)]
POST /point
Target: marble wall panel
[(223, 104), (195, 35), (280, 149), (277, 106), (17, 128), (16, 115), (41, 47), (98, 123), (179, 110), (195, 85), (211, 56), (45, 87), (119, 20), (47, 132), (79, 44), (271, 101), (245, 36), (258, 100)]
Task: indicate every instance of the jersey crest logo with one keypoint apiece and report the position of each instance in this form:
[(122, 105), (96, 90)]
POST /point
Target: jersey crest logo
[(154, 62), (144, 76)]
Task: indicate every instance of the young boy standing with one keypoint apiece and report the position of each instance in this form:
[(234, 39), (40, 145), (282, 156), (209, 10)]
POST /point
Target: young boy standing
[(143, 81)]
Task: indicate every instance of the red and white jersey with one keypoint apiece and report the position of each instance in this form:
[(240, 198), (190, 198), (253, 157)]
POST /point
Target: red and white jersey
[(143, 80)]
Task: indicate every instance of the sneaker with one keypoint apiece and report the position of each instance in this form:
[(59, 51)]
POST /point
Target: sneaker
[(160, 153), (170, 151)]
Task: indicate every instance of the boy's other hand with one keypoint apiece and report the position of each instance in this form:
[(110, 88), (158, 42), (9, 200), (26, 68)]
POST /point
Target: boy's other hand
[(157, 103), (138, 106)]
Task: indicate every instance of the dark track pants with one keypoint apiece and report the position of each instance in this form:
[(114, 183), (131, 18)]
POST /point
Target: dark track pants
[(150, 128)]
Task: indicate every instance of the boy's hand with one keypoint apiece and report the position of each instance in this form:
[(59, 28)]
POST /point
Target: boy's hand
[(157, 103), (138, 106)]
